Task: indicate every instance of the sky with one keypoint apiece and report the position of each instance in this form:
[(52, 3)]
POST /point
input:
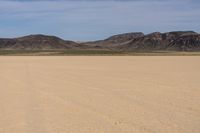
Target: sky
[(84, 20)]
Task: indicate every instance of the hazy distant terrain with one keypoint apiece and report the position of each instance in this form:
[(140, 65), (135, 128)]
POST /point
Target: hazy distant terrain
[(100, 94), (179, 41)]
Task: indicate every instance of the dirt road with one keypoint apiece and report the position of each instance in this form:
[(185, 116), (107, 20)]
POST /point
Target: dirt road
[(100, 94)]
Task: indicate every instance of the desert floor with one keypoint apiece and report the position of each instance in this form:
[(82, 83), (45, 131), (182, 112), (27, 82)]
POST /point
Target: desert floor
[(115, 94)]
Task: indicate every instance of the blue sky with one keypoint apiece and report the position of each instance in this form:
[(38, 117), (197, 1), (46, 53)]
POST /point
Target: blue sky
[(96, 19)]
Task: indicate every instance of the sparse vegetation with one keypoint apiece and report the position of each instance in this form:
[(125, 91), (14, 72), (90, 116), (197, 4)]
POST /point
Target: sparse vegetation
[(92, 53)]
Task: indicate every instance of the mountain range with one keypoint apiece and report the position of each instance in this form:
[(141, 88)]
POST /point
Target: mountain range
[(136, 41)]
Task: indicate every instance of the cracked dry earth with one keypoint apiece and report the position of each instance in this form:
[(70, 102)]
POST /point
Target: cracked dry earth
[(102, 94)]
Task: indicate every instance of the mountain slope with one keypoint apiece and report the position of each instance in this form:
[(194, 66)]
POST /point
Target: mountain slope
[(115, 40), (136, 41), (37, 42), (172, 41)]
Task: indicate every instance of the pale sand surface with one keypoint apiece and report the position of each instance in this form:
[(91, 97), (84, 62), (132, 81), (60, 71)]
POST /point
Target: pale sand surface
[(100, 94)]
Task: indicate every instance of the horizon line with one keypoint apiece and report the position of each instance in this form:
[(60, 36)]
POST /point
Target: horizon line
[(50, 35)]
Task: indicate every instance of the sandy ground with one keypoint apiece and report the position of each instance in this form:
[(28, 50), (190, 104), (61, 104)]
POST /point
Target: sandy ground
[(100, 94)]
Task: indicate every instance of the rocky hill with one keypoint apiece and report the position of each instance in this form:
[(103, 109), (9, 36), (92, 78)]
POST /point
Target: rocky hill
[(170, 41), (37, 42), (115, 40)]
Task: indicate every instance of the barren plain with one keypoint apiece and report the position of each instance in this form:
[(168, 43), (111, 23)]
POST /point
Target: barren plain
[(100, 94)]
